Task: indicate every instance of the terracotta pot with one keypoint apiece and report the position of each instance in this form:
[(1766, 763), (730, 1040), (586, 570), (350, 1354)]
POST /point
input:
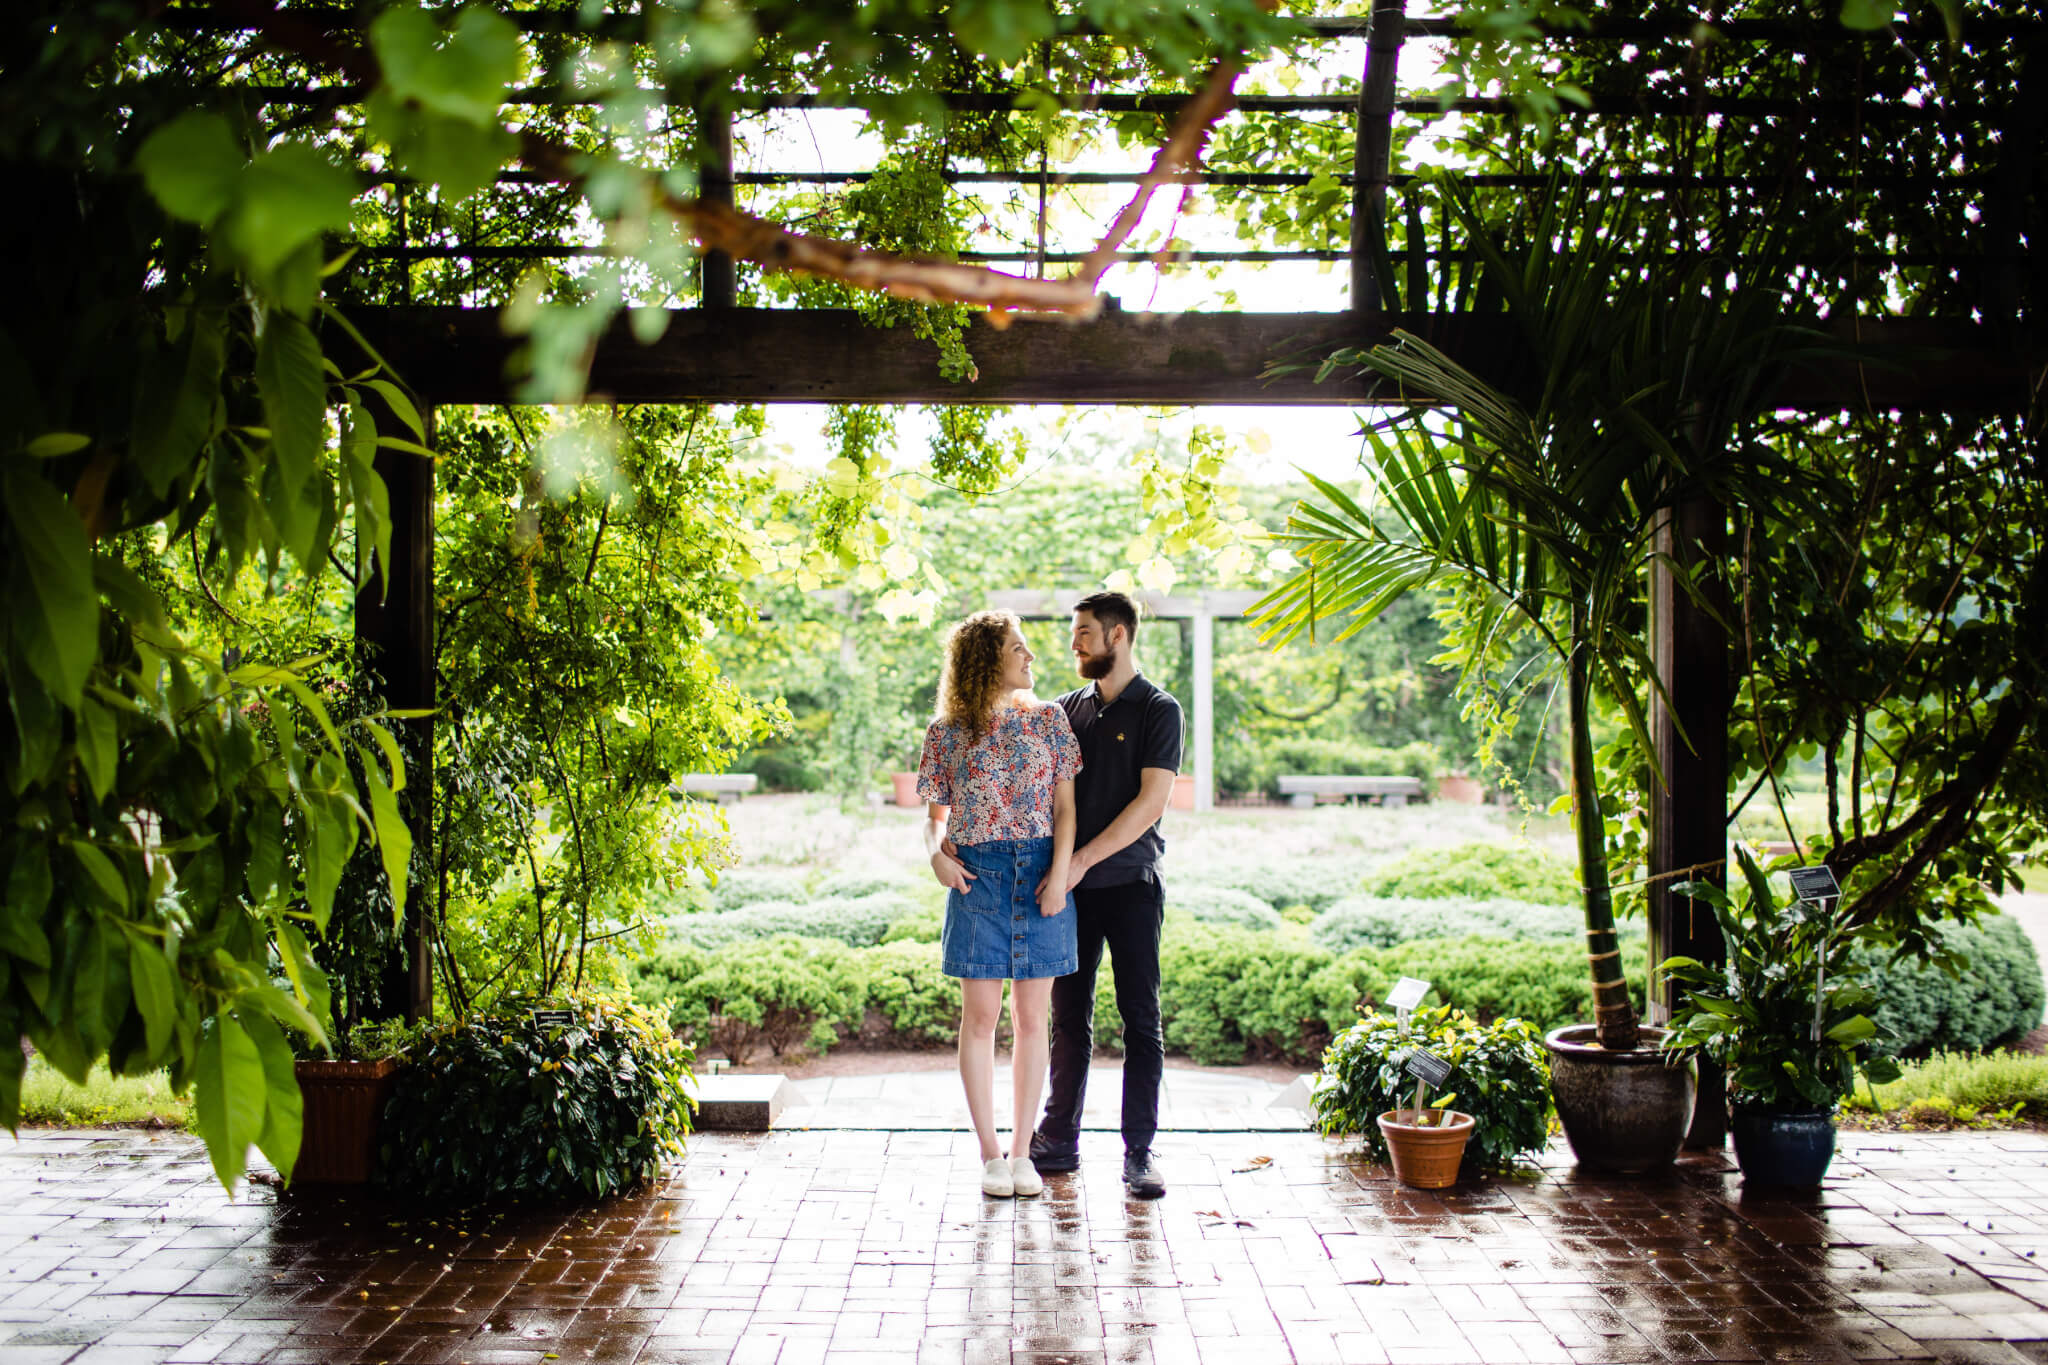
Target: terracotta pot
[(1465, 791), (1426, 1158), (1622, 1111), (905, 790), (1183, 797), (344, 1103)]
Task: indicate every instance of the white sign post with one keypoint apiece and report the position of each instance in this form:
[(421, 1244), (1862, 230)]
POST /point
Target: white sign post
[(1405, 996)]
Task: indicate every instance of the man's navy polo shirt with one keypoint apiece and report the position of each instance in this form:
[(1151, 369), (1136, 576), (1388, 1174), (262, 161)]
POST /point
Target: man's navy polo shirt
[(1140, 729)]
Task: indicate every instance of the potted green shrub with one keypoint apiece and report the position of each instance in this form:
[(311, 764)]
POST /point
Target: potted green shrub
[(1787, 1017), (1541, 500), (1364, 1089)]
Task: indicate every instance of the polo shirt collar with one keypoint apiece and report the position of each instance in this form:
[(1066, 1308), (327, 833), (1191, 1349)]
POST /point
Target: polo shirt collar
[(1137, 689)]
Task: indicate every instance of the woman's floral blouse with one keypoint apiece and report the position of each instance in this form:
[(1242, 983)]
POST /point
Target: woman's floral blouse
[(1002, 787)]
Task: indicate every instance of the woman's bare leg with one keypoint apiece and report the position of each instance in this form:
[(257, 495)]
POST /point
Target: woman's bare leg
[(1030, 1002), (981, 1004)]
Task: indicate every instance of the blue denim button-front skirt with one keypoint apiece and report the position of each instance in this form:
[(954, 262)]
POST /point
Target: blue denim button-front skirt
[(994, 930)]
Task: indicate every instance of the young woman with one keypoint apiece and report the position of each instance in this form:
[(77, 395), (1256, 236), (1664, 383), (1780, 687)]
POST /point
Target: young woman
[(1001, 764)]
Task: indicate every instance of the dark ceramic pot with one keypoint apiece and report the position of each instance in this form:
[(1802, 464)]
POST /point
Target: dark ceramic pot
[(1625, 1112), (1783, 1146)]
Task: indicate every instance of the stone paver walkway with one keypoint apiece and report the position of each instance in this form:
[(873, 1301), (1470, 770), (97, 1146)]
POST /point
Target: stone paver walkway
[(795, 1247), (1190, 1100)]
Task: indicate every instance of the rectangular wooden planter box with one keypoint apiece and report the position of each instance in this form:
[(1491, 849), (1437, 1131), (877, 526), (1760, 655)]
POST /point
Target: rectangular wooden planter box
[(344, 1102)]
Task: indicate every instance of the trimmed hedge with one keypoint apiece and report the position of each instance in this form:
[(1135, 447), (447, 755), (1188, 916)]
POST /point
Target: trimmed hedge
[(1479, 871), (781, 993), (1317, 883), (738, 886), (1544, 981), (1997, 998), (1221, 905), (858, 923), (1375, 922)]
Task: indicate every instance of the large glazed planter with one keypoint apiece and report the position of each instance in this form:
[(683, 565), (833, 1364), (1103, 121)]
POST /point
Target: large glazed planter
[(1625, 1112), (1426, 1157), (1783, 1146), (344, 1102)]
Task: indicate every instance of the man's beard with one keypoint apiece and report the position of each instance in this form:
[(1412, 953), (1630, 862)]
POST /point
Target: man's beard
[(1096, 667)]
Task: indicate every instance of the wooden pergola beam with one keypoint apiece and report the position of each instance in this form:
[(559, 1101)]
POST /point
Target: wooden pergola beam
[(749, 355)]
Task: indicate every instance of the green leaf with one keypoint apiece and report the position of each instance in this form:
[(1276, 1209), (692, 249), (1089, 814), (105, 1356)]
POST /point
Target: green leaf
[(1855, 1029), (179, 400), (100, 869), (131, 598), (394, 839), (1866, 14), (51, 444), (99, 745), (328, 836), (230, 1096), (56, 612), (283, 1108), (463, 75), (38, 728), (1002, 29), (288, 196), (191, 165), (156, 991), (21, 914), (401, 407), (460, 156), (366, 489), (294, 389)]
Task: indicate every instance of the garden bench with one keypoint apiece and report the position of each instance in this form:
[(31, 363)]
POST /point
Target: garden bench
[(1302, 790), (727, 787)]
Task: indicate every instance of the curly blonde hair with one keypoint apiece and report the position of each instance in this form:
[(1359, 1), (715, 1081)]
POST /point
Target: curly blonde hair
[(969, 687)]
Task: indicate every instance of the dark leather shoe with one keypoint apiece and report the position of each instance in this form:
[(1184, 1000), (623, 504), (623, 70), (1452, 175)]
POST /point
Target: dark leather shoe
[(1142, 1176), (1051, 1158)]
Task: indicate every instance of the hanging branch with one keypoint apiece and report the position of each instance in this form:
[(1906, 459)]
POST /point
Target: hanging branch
[(720, 227)]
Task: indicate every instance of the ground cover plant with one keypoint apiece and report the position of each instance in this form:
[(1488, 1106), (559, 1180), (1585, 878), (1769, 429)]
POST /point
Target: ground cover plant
[(1961, 1087), (102, 1100)]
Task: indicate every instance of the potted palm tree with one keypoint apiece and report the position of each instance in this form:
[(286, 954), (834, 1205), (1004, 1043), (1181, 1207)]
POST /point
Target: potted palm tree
[(1541, 498), (1786, 1017)]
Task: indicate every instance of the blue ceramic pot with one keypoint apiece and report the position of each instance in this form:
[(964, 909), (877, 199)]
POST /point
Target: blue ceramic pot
[(1783, 1146)]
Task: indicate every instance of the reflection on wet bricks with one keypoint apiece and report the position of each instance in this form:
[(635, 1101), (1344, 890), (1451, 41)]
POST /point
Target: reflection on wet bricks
[(794, 1247)]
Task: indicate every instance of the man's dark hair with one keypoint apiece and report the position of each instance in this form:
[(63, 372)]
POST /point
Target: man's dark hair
[(1112, 609)]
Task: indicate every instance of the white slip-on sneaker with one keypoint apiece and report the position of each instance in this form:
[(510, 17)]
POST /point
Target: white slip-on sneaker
[(1024, 1178), (997, 1180)]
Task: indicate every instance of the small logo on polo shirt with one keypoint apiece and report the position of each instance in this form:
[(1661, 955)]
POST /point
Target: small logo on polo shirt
[(1119, 736)]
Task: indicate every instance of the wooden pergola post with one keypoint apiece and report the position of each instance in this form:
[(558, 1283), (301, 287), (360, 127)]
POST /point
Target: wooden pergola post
[(394, 628), (1689, 809)]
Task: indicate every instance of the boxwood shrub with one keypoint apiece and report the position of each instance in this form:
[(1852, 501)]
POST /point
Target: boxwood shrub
[(1996, 999), (1500, 1075), (738, 886), (1383, 921), (914, 1000), (1479, 871), (780, 993), (1542, 981), (503, 1108)]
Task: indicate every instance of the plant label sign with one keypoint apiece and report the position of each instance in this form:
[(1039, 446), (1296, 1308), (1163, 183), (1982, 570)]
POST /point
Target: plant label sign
[(1407, 993), (1427, 1067), (553, 1018), (1815, 884)]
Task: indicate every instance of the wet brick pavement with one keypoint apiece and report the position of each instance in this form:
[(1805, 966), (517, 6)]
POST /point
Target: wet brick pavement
[(794, 1247)]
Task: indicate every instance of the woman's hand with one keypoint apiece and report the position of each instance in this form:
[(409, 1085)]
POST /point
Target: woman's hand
[(1051, 898), (951, 873)]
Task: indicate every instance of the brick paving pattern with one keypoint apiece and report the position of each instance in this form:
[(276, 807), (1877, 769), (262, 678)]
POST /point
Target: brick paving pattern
[(794, 1247)]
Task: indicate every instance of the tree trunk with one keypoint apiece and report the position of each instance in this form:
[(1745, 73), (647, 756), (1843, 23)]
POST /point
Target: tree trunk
[(1614, 1015)]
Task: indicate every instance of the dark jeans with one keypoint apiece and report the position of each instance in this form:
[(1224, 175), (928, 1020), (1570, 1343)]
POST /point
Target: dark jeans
[(1126, 920)]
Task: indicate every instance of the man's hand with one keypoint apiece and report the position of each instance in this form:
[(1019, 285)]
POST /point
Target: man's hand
[(951, 874), (1077, 868)]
